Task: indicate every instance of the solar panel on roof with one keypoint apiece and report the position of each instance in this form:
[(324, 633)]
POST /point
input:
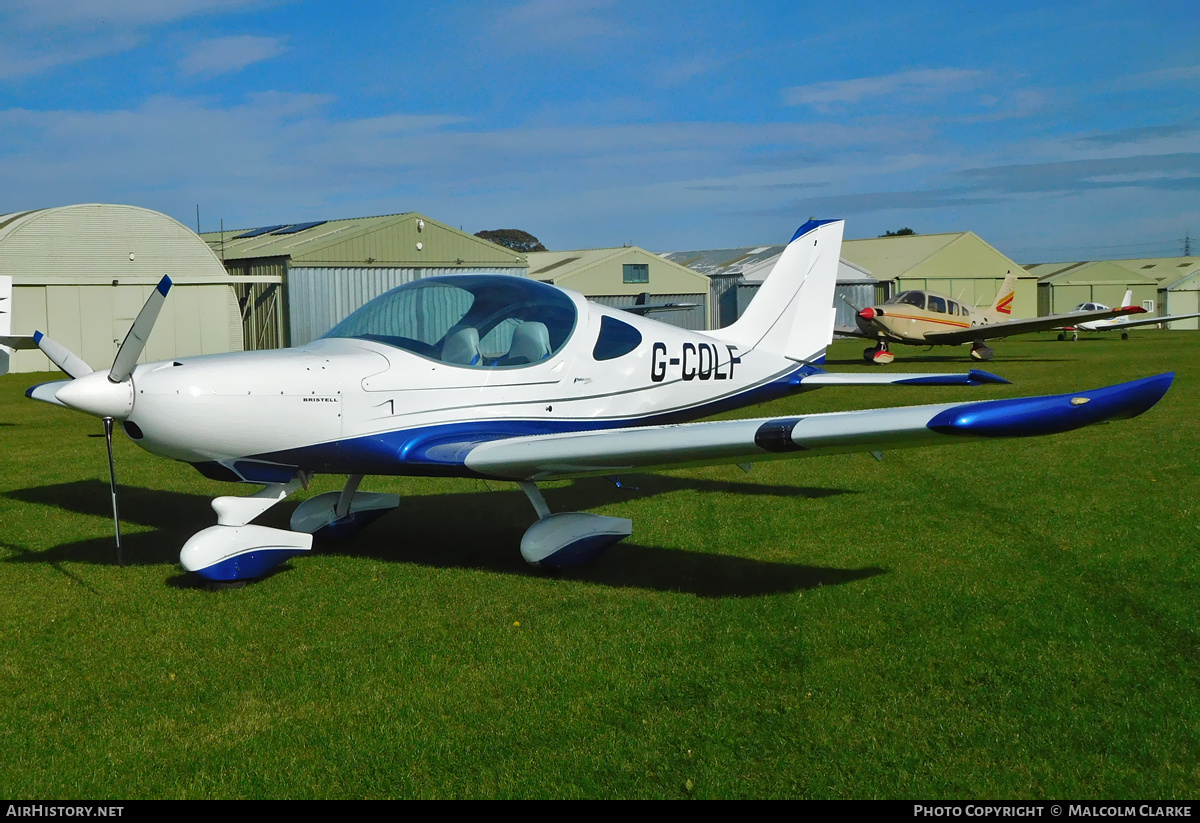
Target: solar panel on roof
[(299, 227), (260, 232)]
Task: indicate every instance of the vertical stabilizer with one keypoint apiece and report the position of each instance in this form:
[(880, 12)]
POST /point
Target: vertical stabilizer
[(1001, 309), (1127, 300), (792, 313)]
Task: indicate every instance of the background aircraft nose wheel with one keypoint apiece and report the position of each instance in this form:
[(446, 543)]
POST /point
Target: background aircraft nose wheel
[(878, 354), (1124, 335), (981, 352)]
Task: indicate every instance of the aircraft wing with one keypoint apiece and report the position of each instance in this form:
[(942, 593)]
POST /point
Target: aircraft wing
[(975, 377), (560, 456), (1011, 327), (18, 341), (1149, 321), (645, 309)]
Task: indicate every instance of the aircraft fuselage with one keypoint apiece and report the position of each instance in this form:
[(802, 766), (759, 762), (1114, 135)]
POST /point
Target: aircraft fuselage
[(361, 406)]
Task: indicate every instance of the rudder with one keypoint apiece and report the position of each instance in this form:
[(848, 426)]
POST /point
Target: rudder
[(793, 314)]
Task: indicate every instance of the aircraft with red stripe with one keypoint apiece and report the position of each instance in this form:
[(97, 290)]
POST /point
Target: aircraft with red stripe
[(926, 318)]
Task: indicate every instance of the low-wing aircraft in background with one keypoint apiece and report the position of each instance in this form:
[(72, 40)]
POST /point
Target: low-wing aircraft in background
[(505, 377), (1121, 323), (925, 318)]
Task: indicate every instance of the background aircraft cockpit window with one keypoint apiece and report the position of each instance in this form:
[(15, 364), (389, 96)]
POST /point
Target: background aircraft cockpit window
[(910, 298), (476, 321), (616, 339), (937, 303)]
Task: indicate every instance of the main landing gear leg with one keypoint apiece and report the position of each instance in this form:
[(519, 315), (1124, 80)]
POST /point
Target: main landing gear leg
[(979, 351), (878, 354), (567, 538), (233, 550), (338, 515)]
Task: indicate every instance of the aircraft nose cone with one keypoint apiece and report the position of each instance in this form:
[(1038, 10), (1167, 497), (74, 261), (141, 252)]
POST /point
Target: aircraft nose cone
[(868, 314), (96, 394)]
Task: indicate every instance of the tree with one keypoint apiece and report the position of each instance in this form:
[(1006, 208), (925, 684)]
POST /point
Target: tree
[(514, 239), (899, 233)]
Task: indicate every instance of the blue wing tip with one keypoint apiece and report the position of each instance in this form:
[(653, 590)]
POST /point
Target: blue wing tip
[(1051, 414), (809, 226), (37, 337), (164, 285), (976, 376)]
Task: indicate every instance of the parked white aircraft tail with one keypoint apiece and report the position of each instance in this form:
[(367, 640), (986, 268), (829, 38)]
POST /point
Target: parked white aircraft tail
[(792, 313)]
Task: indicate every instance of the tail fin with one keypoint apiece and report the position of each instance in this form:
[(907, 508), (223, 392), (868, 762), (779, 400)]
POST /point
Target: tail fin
[(793, 313), (1127, 300), (1002, 307)]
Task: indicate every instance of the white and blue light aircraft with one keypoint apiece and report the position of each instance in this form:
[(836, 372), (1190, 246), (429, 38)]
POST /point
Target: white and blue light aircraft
[(505, 377)]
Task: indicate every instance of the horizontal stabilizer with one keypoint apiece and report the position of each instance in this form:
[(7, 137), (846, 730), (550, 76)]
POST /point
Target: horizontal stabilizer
[(974, 377), (18, 341)]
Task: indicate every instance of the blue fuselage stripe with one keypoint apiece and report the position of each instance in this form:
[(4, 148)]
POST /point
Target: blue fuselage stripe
[(440, 450)]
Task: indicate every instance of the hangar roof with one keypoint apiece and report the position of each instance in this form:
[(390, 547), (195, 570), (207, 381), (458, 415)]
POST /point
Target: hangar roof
[(386, 240), (754, 263), (102, 242), (1166, 271), (952, 255), (1101, 271), (597, 271)]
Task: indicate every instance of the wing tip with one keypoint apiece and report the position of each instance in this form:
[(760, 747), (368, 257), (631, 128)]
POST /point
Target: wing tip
[(1052, 414)]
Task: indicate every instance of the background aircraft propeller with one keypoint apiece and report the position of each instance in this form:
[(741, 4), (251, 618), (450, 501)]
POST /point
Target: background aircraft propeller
[(111, 398)]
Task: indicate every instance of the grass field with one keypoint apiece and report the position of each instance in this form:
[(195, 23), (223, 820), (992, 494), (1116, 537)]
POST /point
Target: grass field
[(1005, 619)]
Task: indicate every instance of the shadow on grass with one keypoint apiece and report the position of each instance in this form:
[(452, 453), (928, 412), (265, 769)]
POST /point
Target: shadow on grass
[(474, 530)]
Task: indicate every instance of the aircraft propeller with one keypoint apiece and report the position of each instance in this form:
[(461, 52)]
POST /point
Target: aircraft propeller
[(108, 396)]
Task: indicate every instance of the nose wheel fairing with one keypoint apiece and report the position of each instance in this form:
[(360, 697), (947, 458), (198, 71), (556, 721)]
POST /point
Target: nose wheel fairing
[(879, 354)]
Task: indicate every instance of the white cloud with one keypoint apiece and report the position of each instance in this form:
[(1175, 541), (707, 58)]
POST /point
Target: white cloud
[(22, 61), (920, 83), (555, 23), (221, 55), (81, 13)]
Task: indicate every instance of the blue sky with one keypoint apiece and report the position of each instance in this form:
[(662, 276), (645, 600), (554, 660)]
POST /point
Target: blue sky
[(1060, 133)]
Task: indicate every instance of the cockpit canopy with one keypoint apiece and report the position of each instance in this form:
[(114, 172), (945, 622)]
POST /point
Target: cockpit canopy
[(476, 321), (1090, 307)]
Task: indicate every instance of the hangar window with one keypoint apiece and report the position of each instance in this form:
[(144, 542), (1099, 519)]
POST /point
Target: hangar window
[(616, 339), (635, 273), (477, 321)]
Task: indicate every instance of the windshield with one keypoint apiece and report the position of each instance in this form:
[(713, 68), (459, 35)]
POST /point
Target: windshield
[(478, 321), (911, 298)]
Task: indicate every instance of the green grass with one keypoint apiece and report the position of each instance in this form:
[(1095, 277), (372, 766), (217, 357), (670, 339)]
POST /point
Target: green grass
[(1010, 619)]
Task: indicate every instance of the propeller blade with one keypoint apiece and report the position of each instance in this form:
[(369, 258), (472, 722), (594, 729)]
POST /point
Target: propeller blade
[(112, 485), (139, 332), (61, 356)]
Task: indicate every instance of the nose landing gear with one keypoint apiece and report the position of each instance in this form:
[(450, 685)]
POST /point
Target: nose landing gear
[(878, 354)]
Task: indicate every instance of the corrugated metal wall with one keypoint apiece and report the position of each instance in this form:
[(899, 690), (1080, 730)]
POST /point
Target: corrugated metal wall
[(321, 297), (723, 297), (858, 294), (692, 319)]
